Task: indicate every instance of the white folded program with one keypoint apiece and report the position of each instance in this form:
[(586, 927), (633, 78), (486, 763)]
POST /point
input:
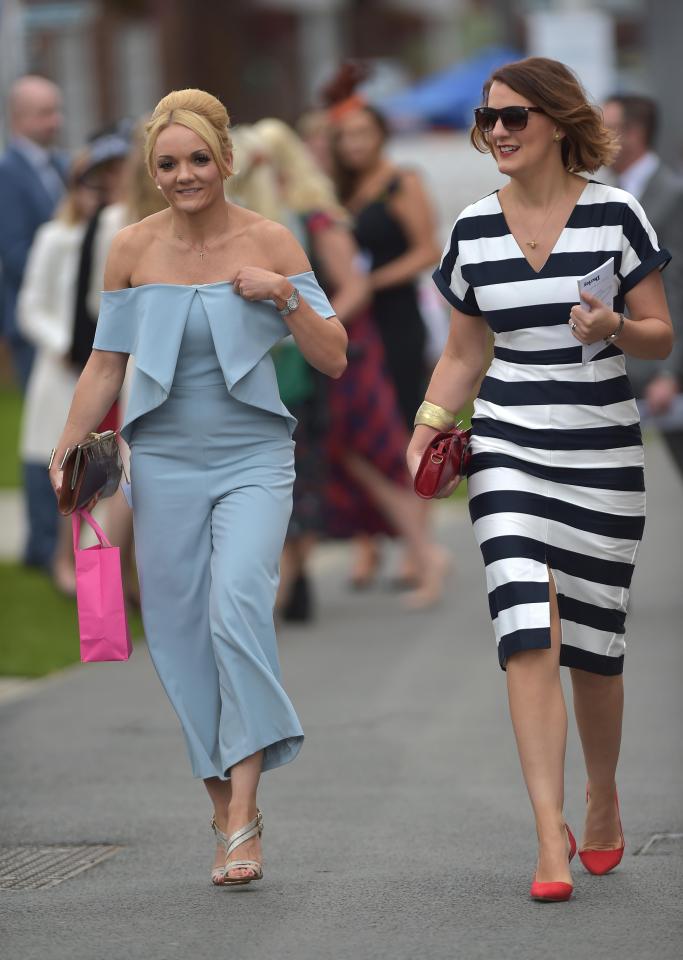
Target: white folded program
[(599, 283)]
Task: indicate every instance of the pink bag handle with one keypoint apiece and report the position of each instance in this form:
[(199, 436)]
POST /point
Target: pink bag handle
[(76, 528)]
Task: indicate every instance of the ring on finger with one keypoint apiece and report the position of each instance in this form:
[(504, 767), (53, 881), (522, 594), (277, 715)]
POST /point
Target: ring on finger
[(572, 326)]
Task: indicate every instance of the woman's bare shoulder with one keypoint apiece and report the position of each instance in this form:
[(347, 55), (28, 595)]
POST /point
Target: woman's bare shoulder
[(124, 252), (283, 250), (150, 228), (128, 248), (267, 231), (409, 185), (132, 238), (246, 219)]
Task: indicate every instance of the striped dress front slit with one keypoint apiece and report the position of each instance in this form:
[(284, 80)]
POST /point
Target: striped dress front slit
[(556, 483)]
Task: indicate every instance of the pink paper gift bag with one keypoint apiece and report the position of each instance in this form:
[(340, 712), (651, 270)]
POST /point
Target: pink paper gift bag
[(102, 622)]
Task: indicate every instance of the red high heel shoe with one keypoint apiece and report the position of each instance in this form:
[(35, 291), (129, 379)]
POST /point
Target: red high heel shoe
[(600, 862), (555, 891)]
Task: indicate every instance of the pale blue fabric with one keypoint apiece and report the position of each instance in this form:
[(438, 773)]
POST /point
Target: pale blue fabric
[(148, 322), (212, 469)]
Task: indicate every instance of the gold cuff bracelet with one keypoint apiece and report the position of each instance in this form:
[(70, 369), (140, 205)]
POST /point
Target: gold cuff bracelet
[(431, 415)]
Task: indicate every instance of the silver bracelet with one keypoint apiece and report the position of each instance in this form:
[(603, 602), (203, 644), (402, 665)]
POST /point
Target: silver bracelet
[(620, 326)]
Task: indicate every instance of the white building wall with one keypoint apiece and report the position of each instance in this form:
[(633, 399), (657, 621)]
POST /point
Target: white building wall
[(139, 68), (74, 58)]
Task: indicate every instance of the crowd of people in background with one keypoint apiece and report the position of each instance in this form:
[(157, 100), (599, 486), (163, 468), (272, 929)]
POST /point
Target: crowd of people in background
[(369, 230)]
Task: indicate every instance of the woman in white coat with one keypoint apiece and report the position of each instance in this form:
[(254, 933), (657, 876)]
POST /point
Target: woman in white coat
[(46, 314)]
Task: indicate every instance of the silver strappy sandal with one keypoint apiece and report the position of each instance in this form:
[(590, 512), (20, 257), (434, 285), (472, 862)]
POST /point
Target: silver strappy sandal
[(252, 829), (218, 873)]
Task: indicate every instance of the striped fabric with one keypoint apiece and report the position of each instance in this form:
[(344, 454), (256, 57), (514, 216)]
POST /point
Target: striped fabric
[(556, 480)]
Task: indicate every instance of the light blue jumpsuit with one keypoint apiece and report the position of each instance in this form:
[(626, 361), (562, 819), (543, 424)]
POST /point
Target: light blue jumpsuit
[(212, 468)]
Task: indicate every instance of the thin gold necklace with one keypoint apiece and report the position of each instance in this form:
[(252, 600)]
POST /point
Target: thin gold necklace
[(203, 249), (533, 243)]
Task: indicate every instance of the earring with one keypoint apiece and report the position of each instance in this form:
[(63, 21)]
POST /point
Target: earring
[(557, 136), (158, 186)]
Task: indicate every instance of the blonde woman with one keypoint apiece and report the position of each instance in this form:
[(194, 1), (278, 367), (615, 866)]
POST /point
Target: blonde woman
[(254, 182), (200, 293), (368, 483), (278, 178), (45, 314)]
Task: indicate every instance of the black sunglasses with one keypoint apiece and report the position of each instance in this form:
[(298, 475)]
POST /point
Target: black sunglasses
[(512, 118)]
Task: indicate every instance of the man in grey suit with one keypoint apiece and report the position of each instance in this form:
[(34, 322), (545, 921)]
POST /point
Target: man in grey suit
[(32, 176), (660, 191)]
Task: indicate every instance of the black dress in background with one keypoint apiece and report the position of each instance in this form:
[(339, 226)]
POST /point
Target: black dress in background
[(395, 310)]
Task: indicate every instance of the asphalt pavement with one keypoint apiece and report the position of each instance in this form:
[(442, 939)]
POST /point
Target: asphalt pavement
[(403, 829)]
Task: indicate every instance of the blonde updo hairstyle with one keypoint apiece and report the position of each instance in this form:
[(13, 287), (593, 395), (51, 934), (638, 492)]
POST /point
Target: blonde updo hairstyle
[(200, 112)]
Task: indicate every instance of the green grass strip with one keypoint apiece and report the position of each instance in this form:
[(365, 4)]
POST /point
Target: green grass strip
[(10, 422)]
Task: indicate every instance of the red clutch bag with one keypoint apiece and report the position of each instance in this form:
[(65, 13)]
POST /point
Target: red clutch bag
[(446, 457)]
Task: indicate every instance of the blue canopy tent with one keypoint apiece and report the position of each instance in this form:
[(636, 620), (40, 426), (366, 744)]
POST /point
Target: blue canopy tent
[(446, 99)]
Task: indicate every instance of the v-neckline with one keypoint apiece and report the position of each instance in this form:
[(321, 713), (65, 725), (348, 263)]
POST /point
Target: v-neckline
[(538, 272)]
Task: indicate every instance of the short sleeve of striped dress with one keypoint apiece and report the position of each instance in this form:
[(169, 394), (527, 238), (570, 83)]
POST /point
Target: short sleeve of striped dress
[(556, 484)]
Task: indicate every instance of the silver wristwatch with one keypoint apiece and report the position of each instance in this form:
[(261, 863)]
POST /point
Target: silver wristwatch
[(291, 303)]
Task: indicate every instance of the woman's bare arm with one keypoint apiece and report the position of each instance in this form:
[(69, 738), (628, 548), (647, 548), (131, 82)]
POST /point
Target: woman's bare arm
[(321, 340), (337, 252), (412, 207), (100, 383), (454, 379)]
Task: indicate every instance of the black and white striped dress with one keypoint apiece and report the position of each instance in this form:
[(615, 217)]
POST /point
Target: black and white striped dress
[(557, 478)]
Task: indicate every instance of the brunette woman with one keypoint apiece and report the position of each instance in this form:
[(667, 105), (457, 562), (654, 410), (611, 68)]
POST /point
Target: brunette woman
[(395, 229), (556, 483)]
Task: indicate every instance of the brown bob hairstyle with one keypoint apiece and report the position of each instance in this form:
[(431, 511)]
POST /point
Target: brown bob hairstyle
[(587, 144)]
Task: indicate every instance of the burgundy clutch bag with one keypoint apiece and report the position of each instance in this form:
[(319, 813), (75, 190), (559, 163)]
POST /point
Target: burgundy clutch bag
[(446, 457)]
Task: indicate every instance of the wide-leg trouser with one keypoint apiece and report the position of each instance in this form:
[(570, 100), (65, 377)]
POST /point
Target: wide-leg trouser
[(212, 497)]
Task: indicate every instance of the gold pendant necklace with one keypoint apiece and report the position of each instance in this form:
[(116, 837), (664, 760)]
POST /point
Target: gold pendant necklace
[(534, 243), (204, 248)]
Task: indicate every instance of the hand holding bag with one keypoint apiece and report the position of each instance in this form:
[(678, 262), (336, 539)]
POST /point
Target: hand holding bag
[(91, 468), (446, 457), (102, 622)]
